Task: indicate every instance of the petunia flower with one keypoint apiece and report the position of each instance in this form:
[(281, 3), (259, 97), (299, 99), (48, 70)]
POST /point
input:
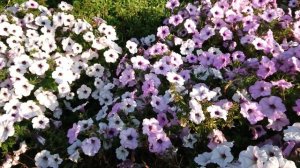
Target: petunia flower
[(129, 138), (260, 88), (91, 146), (221, 155), (252, 111), (272, 106), (252, 157), (159, 143)]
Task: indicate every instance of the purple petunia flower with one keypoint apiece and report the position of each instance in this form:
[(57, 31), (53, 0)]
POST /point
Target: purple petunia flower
[(206, 58), (252, 111), (159, 103), (260, 88), (127, 76), (158, 143), (149, 88), (297, 107), (207, 32), (73, 133), (129, 138), (272, 106), (278, 123), (225, 104), (266, 68), (151, 126), (192, 9), (222, 61), (238, 56), (162, 118)]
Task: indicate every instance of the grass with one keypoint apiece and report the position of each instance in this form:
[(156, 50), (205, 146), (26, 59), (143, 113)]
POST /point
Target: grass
[(132, 18)]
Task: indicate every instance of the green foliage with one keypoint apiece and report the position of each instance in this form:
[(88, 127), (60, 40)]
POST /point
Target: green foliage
[(132, 18)]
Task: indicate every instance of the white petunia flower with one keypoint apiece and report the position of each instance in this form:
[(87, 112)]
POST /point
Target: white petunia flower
[(68, 20), (3, 47), (39, 67), (43, 159), (23, 88), (292, 133), (252, 157), (85, 124), (58, 19), (173, 77), (221, 155), (131, 46), (217, 112), (111, 56), (46, 98), (89, 36), (187, 47), (40, 122), (129, 105), (271, 162), (197, 116), (42, 21), (284, 163), (95, 70), (139, 62), (189, 140), (201, 92), (203, 159), (5, 94), (65, 6), (272, 151), (122, 153), (76, 48), (63, 89), (84, 92), (29, 109), (190, 26), (6, 130)]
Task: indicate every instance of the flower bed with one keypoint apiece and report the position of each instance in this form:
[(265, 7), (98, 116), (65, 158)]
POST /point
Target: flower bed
[(217, 86)]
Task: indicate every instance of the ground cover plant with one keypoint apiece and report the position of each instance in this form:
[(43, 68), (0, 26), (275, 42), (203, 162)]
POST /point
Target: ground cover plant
[(216, 85)]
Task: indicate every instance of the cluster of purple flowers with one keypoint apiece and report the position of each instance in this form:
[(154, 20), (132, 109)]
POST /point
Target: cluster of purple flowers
[(212, 68)]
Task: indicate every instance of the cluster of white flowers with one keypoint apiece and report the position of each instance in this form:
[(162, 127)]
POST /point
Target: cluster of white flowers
[(268, 156), (42, 49), (45, 159)]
